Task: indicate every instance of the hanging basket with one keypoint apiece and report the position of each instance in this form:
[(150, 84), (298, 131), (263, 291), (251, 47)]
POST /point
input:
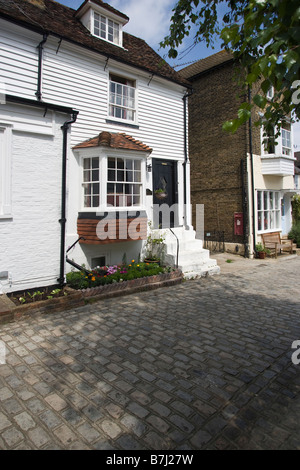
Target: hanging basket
[(160, 194)]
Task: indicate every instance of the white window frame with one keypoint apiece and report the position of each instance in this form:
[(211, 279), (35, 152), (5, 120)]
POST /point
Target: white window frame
[(5, 171), (269, 212), (115, 24), (286, 137), (134, 109), (90, 181), (270, 93), (280, 150), (103, 170)]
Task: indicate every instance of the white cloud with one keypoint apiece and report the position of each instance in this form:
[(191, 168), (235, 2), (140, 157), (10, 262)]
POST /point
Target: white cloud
[(149, 19)]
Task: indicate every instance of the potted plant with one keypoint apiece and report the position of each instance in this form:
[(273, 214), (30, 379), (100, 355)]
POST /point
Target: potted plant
[(154, 246), (261, 250), (160, 193)]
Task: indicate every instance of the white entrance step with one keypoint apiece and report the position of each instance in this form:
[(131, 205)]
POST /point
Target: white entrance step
[(193, 260)]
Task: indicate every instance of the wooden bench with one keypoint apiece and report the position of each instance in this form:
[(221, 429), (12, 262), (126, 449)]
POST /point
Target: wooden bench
[(272, 241)]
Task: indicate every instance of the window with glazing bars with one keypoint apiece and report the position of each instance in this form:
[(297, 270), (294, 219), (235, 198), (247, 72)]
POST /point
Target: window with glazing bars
[(122, 98), (286, 138), (91, 182), (106, 29), (124, 182), (268, 210)]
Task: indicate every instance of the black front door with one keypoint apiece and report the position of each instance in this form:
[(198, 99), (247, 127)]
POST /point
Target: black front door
[(164, 192)]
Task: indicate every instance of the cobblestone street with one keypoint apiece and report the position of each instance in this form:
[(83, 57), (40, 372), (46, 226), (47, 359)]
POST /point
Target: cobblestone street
[(203, 365)]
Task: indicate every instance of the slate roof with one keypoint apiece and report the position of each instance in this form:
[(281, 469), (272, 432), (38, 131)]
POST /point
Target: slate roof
[(48, 16), (114, 140), (203, 65)]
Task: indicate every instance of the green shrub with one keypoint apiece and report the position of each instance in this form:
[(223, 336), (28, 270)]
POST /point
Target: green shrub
[(294, 233), (110, 274), (296, 208)]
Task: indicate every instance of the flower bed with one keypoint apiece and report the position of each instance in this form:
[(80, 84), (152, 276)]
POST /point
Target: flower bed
[(102, 276), (37, 295)]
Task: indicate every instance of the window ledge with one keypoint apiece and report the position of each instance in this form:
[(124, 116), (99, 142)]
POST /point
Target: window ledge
[(6, 217), (122, 123), (274, 155), (109, 210), (271, 230)]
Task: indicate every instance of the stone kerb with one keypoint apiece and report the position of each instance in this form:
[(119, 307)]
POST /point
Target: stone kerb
[(135, 285)]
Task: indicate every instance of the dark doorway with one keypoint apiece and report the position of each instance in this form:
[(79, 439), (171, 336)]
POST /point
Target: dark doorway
[(165, 193)]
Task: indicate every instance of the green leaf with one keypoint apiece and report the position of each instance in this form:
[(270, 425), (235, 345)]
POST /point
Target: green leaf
[(260, 101)]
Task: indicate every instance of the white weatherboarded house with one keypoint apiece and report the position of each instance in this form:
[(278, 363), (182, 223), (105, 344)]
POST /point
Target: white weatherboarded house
[(92, 122)]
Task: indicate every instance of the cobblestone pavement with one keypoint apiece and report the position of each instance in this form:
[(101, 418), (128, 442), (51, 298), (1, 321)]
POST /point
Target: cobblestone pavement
[(203, 365)]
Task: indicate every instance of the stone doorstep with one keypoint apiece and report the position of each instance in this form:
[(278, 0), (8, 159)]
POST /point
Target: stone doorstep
[(10, 312)]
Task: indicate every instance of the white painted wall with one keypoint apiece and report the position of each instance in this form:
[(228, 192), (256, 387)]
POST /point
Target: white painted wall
[(30, 237), (19, 59)]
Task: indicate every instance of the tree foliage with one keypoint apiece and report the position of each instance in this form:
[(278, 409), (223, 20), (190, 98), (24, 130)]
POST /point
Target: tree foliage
[(263, 36)]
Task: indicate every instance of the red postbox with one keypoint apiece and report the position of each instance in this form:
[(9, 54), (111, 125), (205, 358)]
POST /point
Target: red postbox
[(238, 223)]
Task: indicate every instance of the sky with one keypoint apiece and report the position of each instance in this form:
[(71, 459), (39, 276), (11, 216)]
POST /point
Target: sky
[(150, 20)]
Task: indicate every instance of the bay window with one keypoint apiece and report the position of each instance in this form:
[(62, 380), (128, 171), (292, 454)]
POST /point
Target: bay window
[(284, 146), (268, 211), (122, 184)]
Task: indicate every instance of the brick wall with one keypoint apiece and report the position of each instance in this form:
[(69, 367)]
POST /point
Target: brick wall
[(215, 155)]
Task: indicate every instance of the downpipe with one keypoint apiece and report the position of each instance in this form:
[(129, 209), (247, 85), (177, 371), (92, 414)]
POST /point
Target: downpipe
[(63, 220), (38, 93), (186, 158)]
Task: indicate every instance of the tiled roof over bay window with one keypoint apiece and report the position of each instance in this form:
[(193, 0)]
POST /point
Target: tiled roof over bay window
[(114, 140)]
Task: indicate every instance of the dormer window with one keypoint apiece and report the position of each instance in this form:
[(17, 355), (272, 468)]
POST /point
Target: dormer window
[(103, 21), (107, 29)]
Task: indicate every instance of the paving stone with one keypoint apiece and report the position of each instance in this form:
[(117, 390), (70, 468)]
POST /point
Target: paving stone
[(39, 437), (50, 419), (128, 443), (4, 422), (111, 428), (138, 410), (181, 423), (25, 421), (5, 393), (56, 402), (134, 424), (12, 436), (89, 433), (65, 435)]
